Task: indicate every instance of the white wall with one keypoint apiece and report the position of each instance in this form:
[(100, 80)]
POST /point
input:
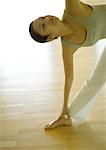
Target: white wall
[(17, 50)]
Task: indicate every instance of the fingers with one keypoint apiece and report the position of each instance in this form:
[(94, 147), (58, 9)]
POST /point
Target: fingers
[(50, 125), (47, 127), (58, 122)]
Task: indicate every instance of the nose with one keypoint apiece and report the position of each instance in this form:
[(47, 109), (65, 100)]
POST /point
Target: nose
[(47, 18)]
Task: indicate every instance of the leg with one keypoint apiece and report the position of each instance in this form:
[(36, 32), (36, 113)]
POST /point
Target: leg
[(83, 101)]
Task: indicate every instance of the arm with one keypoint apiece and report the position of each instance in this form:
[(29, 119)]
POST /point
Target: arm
[(74, 7), (72, 3), (68, 69)]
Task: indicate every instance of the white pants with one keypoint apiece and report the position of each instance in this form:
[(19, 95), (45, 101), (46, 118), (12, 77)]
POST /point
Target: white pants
[(84, 100)]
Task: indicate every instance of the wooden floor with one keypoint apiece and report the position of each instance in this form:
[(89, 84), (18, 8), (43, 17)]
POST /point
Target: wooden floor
[(31, 95)]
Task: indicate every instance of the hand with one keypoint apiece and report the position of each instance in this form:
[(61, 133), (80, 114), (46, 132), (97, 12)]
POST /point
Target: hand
[(61, 121), (65, 112)]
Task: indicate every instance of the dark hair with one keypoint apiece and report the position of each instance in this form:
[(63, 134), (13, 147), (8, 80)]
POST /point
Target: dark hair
[(36, 36)]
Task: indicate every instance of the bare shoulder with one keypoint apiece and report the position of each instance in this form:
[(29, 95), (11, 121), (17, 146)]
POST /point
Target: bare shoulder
[(75, 4), (68, 51), (77, 8)]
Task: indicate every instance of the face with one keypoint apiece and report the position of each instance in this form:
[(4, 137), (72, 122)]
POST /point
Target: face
[(48, 25)]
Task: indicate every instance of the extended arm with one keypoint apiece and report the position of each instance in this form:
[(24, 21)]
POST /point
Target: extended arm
[(70, 4), (68, 69), (75, 7), (72, 1)]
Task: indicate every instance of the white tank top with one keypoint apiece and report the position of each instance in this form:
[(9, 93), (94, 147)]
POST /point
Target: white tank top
[(95, 25)]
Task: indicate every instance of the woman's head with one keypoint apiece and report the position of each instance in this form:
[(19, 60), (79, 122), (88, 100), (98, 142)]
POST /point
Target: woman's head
[(45, 29)]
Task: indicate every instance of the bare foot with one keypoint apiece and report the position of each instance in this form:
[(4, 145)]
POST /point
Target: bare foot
[(59, 122)]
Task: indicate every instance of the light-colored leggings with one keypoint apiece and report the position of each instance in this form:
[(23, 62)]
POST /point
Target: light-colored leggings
[(84, 100)]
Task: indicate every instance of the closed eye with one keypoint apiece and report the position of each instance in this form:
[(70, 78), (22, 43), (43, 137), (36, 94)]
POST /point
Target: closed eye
[(43, 26)]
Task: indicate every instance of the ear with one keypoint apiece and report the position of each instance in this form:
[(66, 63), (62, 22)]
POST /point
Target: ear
[(50, 38)]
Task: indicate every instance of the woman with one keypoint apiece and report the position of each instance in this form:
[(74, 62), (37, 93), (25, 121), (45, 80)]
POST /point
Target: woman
[(82, 25)]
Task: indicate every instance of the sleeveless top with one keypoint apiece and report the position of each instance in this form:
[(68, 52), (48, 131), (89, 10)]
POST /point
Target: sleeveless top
[(95, 25)]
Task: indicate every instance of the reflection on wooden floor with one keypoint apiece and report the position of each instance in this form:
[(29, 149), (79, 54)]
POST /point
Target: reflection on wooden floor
[(31, 95)]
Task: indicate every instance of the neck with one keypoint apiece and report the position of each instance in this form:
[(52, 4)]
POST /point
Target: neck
[(66, 30)]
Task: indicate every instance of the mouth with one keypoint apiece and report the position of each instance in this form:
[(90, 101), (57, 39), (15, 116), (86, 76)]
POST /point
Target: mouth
[(52, 19), (55, 20)]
